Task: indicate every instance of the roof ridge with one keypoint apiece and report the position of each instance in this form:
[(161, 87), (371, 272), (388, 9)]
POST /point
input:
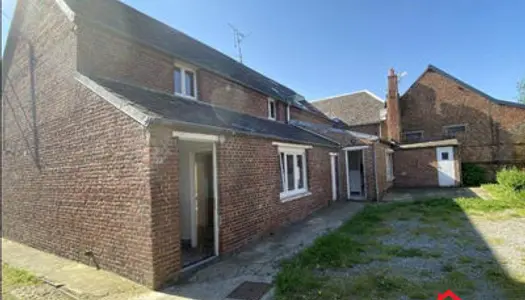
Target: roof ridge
[(348, 94)]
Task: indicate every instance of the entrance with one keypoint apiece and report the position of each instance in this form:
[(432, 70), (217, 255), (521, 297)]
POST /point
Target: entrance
[(197, 201), (334, 163), (355, 174), (446, 166)]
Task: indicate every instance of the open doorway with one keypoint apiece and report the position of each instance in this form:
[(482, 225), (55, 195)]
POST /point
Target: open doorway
[(197, 202), (355, 174)]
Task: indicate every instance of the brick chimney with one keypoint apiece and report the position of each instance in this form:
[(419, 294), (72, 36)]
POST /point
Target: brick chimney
[(393, 114)]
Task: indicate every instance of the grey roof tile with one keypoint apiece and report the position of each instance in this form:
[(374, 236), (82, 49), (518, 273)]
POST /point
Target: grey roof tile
[(354, 109), (185, 111)]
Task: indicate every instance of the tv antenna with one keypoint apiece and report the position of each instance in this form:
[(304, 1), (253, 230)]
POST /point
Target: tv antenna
[(238, 38)]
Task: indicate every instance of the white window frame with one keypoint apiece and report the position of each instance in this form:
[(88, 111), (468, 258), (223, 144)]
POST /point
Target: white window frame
[(183, 69), (295, 150), (389, 160), (413, 132), (287, 113), (270, 102), (445, 128)]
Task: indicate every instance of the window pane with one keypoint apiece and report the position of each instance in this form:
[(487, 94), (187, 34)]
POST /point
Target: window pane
[(177, 81), (413, 136), (444, 155), (454, 130), (290, 171), (189, 83), (301, 171), (281, 161)]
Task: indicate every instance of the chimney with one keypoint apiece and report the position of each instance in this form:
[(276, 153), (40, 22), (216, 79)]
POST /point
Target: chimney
[(393, 117)]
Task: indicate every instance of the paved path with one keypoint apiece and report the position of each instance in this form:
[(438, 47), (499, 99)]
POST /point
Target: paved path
[(429, 193), (260, 262)]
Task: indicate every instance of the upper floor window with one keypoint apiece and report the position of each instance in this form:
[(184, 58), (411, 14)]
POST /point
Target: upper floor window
[(287, 113), (452, 131), (272, 109), (413, 136), (184, 82)]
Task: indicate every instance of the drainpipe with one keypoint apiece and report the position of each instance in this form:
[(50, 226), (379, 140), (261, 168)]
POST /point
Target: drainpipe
[(375, 171)]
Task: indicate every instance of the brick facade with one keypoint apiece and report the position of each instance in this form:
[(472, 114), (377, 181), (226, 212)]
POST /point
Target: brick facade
[(418, 167), (494, 132)]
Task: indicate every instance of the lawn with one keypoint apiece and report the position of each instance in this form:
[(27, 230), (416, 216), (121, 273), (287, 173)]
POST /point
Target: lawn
[(13, 278), (415, 250)]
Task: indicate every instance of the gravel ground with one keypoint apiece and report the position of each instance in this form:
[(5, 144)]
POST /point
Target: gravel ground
[(38, 292), (472, 247)]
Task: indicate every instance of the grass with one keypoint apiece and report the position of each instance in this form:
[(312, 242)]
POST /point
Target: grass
[(358, 242), (13, 278)]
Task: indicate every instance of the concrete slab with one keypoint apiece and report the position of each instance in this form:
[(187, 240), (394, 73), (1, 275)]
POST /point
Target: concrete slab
[(84, 281), (259, 262), (407, 194)]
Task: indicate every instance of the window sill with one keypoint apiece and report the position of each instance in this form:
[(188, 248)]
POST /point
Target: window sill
[(186, 96), (295, 197)]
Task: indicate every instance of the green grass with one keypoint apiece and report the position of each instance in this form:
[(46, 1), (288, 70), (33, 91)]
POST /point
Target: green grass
[(358, 242), (13, 278)]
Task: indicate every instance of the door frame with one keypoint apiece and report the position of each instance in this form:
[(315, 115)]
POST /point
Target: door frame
[(353, 149), (334, 175), (213, 139), (452, 160)]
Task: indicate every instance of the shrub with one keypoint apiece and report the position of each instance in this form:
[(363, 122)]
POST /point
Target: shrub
[(512, 178), (473, 175)]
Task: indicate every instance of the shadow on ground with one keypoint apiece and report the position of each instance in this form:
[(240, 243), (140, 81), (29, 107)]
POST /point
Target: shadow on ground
[(415, 250)]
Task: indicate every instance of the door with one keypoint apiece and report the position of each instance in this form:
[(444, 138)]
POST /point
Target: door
[(446, 166), (355, 172), (335, 175)]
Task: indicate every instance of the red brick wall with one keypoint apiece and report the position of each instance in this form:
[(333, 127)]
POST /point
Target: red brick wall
[(249, 189), (494, 132), (418, 167)]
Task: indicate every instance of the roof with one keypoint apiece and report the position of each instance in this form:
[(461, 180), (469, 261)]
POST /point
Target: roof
[(341, 136), (133, 24), (357, 108), (437, 70), (441, 143), (149, 107)]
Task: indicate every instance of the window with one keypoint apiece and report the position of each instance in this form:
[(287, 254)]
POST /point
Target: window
[(271, 109), (292, 161), (184, 82), (452, 131), (444, 155), (287, 113), (413, 136), (389, 165)]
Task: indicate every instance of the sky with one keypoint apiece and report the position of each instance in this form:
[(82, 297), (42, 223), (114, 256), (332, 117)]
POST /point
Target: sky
[(325, 48)]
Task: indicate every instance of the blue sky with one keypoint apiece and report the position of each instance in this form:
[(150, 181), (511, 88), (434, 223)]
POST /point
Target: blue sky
[(321, 49)]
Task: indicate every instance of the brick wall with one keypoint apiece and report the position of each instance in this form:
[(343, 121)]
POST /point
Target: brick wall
[(249, 189), (494, 132), (366, 128), (418, 167)]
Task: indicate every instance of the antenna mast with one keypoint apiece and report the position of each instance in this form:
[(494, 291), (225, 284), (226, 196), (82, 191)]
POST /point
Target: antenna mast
[(238, 37)]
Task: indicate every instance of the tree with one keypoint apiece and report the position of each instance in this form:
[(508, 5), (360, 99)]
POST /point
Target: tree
[(521, 91)]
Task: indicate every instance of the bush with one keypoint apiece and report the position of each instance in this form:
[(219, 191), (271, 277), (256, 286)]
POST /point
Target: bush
[(473, 175), (512, 178)]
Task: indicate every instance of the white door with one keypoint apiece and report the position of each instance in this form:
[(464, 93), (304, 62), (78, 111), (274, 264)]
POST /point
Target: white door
[(333, 163), (446, 166)]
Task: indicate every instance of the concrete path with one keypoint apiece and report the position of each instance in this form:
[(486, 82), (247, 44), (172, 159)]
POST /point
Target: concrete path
[(432, 193), (79, 280), (260, 262)]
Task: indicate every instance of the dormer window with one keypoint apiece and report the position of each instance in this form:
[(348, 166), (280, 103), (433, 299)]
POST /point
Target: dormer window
[(287, 113), (184, 82), (272, 110)]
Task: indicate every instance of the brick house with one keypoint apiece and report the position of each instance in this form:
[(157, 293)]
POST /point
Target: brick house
[(128, 142), (363, 111), (438, 106)]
